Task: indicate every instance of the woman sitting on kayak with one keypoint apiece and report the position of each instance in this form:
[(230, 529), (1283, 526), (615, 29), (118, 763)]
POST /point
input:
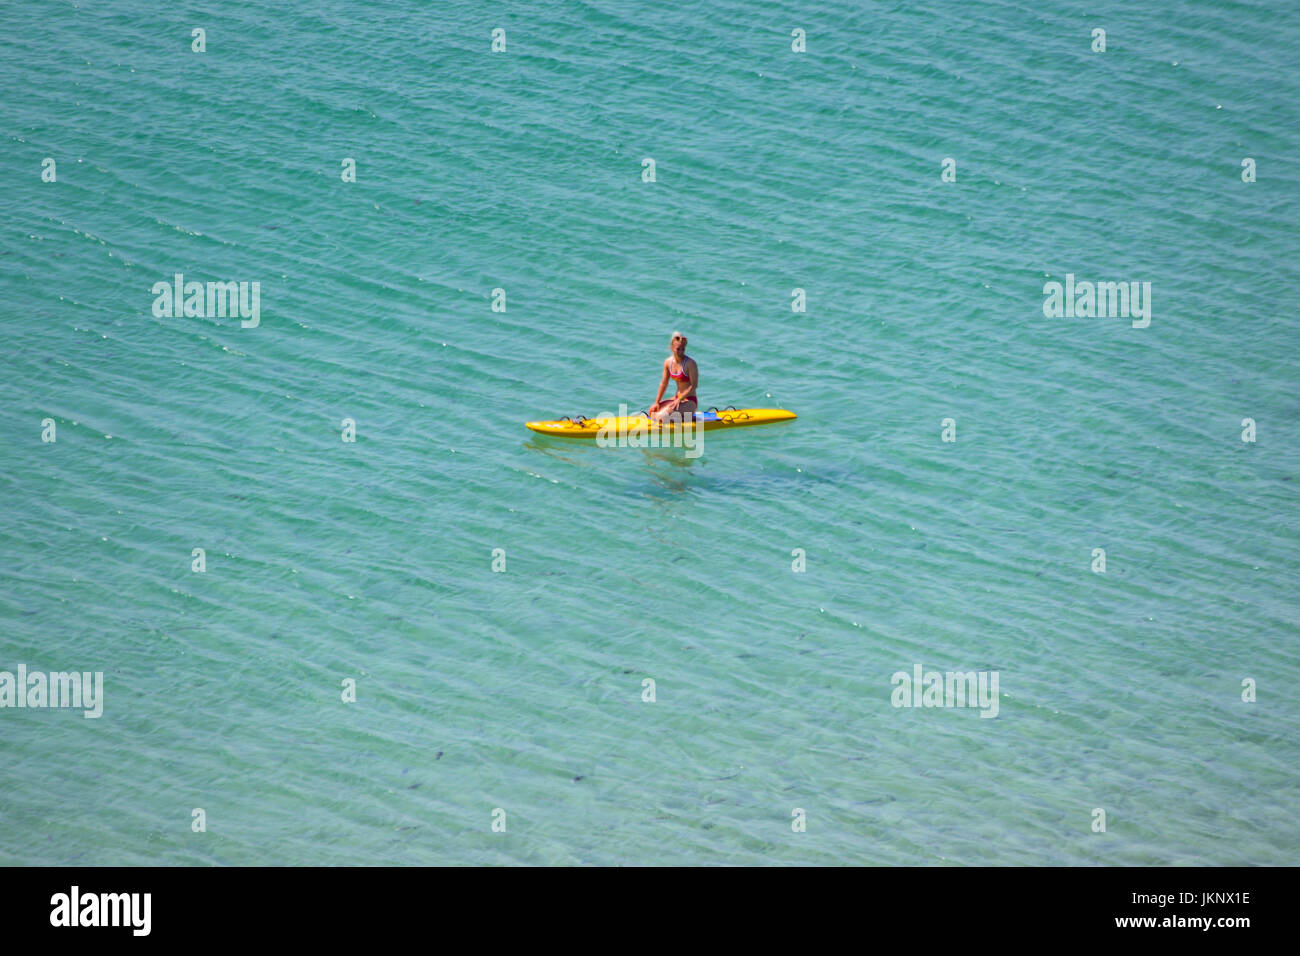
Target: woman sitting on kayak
[(682, 369)]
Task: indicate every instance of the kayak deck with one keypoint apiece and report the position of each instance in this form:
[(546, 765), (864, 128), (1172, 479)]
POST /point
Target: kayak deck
[(611, 425)]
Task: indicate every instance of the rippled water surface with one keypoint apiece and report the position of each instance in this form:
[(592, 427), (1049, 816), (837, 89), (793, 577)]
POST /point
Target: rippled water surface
[(523, 690)]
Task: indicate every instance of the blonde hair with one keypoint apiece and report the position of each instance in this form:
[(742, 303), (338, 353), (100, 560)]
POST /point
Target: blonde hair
[(681, 335)]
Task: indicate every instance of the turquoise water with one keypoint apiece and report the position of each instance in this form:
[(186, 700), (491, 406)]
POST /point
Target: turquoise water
[(522, 690)]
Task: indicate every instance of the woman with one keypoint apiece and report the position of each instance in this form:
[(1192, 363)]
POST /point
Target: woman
[(682, 369)]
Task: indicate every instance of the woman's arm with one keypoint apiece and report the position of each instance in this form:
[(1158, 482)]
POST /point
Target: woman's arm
[(663, 384)]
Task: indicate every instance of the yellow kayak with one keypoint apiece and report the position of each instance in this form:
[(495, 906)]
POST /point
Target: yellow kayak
[(611, 427)]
